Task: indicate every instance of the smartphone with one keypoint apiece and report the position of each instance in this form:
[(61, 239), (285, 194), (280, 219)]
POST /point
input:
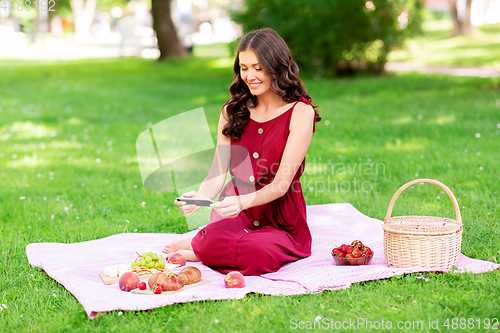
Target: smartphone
[(196, 201)]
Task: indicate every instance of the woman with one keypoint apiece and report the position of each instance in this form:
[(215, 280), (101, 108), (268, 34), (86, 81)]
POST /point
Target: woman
[(259, 222)]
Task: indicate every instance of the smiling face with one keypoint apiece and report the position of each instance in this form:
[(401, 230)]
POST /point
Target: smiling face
[(253, 74)]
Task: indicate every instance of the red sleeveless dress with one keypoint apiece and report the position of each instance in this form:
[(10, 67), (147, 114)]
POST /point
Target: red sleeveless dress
[(260, 239)]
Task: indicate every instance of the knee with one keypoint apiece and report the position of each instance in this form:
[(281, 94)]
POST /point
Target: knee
[(261, 250), (259, 260)]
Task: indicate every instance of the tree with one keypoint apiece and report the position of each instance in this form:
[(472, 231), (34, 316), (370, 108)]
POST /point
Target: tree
[(168, 41), (83, 14), (465, 26), (332, 37)]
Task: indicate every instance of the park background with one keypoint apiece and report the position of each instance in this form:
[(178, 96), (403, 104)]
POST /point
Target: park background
[(74, 99)]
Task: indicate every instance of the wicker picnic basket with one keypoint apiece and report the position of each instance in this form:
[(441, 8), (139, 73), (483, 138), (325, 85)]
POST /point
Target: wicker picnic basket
[(422, 241)]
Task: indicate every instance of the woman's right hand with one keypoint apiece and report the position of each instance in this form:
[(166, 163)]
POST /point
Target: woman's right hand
[(186, 209)]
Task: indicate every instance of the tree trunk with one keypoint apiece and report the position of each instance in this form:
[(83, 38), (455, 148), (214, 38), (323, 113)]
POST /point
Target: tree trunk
[(168, 42), (467, 26), (83, 13), (457, 25)]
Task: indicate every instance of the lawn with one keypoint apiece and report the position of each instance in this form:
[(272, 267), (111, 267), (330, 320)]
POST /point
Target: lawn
[(436, 46), (69, 173)]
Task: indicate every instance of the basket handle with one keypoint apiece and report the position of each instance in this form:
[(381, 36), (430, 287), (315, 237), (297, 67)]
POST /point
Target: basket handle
[(430, 181)]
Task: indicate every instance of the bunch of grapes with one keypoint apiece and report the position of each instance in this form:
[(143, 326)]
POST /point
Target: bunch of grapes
[(149, 260)]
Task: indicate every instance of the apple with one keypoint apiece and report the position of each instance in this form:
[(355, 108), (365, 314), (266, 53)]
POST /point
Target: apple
[(234, 279), (176, 258), (129, 281)]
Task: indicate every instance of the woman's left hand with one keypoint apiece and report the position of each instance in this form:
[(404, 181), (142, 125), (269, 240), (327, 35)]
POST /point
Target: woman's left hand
[(229, 207)]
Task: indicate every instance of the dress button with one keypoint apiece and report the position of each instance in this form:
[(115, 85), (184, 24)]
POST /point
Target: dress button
[(252, 178), (256, 223), (255, 155), (260, 130)]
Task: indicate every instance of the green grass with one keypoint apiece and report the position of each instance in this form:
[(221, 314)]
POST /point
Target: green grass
[(436, 46), (59, 118)]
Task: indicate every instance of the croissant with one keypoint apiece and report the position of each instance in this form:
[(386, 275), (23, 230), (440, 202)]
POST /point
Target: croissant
[(167, 282), (152, 280), (172, 283), (190, 275)]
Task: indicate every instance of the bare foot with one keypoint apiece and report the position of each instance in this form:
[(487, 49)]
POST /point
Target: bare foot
[(178, 244), (189, 255)]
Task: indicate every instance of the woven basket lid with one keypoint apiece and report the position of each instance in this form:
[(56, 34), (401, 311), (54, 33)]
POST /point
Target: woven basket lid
[(421, 225)]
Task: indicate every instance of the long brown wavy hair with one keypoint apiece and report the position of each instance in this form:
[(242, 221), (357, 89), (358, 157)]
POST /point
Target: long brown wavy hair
[(276, 60)]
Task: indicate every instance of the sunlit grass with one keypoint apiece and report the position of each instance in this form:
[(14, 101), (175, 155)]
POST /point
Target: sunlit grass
[(436, 46), (75, 177)]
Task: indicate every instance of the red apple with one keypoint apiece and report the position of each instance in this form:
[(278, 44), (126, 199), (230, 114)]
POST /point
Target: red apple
[(176, 258), (234, 279), (129, 281)]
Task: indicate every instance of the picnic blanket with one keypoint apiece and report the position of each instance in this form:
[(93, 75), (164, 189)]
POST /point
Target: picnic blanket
[(77, 266)]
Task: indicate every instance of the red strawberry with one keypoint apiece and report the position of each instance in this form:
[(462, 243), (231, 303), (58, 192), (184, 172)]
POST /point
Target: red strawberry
[(357, 243), (357, 254), (142, 286), (368, 251), (157, 289), (342, 255), (349, 249), (348, 256), (336, 252), (343, 247)]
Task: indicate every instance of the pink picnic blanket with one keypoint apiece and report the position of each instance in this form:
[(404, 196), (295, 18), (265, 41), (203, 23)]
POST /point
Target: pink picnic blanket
[(77, 266)]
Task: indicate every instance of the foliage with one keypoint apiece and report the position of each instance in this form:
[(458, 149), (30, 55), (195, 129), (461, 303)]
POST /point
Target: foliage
[(59, 118), (63, 8), (416, 16), (332, 36), (26, 18)]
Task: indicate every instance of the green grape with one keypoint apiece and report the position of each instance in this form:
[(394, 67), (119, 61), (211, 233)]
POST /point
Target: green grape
[(154, 256), (134, 264), (157, 265), (162, 264), (150, 265), (148, 258), (141, 262)]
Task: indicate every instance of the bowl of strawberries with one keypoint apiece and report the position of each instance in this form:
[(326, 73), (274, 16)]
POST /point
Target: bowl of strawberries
[(352, 255)]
